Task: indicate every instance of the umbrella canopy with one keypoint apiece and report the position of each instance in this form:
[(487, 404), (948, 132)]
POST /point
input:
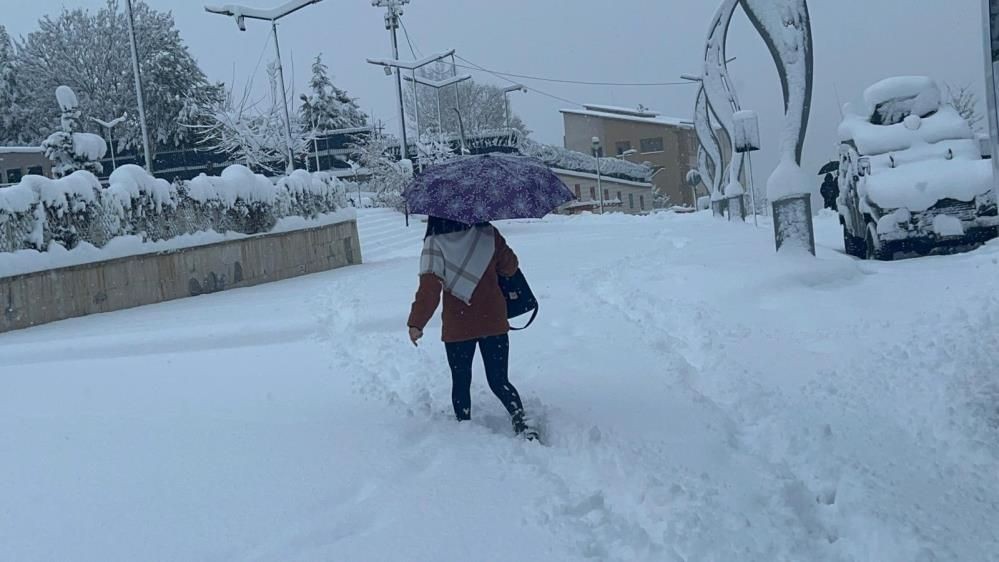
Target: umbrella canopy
[(489, 187), (830, 168)]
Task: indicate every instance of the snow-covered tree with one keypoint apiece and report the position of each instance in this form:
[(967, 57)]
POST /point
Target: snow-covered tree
[(253, 133), (389, 176), (483, 106), (965, 101), (89, 52), (70, 149), (328, 108), (434, 148), (10, 109)]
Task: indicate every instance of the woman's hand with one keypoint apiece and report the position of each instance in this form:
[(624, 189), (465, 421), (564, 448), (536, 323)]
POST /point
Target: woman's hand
[(414, 335)]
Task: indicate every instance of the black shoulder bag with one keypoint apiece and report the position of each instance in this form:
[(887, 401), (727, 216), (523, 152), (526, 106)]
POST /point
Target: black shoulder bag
[(519, 298)]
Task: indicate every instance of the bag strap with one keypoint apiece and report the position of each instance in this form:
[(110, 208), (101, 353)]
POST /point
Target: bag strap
[(529, 322)]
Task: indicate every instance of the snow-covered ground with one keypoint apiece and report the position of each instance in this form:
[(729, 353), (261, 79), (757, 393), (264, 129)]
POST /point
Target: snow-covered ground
[(702, 399)]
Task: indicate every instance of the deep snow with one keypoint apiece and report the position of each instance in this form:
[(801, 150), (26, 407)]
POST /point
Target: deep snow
[(703, 399)]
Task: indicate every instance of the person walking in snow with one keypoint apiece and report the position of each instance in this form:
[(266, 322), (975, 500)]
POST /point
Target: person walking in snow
[(830, 192), (462, 263)]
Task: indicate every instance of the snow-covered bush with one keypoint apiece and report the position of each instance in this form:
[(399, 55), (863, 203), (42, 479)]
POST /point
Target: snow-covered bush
[(74, 209), (389, 176)]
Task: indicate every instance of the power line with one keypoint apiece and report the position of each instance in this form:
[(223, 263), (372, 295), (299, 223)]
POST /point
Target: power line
[(406, 33), (577, 82), (531, 88)]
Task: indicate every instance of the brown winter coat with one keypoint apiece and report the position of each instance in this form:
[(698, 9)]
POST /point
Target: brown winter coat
[(485, 317)]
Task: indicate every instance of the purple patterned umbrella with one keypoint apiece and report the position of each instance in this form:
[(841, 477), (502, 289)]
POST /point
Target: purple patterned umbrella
[(476, 189)]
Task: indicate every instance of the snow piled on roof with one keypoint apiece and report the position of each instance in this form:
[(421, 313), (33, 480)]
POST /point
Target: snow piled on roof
[(21, 150), (871, 139), (656, 120), (920, 93)]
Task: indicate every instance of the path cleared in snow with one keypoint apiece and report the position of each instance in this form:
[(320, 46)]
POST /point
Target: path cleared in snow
[(702, 400)]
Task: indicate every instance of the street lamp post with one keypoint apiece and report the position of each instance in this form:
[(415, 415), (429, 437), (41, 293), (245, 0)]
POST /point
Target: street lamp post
[(138, 87), (506, 99), (596, 154), (109, 125), (272, 15)]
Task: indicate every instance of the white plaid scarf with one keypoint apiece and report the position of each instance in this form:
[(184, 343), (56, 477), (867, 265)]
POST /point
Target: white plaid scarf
[(459, 259)]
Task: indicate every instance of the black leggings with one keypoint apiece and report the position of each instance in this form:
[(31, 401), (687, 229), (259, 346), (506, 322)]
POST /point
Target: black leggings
[(496, 358)]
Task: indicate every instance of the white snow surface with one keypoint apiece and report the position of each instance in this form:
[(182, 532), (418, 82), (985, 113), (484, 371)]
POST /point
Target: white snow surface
[(67, 98), (130, 182), (703, 401), (920, 185), (235, 182), (946, 124), (922, 92), (946, 225), (90, 146)]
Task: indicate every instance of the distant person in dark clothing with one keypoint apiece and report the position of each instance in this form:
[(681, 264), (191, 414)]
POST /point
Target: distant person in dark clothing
[(830, 192)]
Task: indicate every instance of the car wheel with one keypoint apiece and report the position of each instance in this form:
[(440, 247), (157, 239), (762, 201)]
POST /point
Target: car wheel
[(876, 249), (854, 246)]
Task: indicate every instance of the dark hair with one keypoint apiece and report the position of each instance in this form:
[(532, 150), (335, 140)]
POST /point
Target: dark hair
[(437, 226)]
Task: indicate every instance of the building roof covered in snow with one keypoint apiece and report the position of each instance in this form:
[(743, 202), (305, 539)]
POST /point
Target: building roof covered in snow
[(640, 115)]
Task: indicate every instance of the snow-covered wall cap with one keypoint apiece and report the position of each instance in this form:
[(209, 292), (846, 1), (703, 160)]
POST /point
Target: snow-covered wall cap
[(923, 90), (21, 150)]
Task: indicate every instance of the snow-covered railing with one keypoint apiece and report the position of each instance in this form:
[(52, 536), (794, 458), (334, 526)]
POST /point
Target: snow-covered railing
[(40, 211), (565, 159)]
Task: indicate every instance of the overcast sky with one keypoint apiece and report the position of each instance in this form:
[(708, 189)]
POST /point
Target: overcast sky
[(857, 42)]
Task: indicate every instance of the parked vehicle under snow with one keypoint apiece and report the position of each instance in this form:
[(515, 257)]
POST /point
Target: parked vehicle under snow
[(912, 176)]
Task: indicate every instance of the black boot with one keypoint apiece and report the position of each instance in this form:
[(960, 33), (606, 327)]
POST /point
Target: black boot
[(521, 428)]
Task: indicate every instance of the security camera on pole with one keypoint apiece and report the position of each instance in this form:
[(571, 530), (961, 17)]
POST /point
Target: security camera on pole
[(272, 15)]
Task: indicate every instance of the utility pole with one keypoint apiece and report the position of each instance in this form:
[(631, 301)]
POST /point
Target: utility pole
[(506, 99), (393, 11), (138, 87)]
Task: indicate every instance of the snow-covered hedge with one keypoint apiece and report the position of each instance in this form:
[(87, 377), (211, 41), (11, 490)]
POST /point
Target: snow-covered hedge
[(39, 211)]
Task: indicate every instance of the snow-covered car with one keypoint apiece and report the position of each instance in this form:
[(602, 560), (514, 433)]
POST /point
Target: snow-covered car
[(912, 176)]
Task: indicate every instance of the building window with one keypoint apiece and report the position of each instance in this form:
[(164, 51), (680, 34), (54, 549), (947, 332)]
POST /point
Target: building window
[(13, 175), (579, 194), (641, 202), (622, 147), (593, 193), (606, 194), (619, 199), (654, 144), (631, 200), (36, 171)]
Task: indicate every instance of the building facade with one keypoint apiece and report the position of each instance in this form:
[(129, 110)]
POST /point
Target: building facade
[(619, 195), (19, 161), (667, 144)]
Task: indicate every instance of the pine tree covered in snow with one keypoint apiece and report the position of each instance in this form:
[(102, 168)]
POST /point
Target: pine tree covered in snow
[(328, 108), (89, 51)]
